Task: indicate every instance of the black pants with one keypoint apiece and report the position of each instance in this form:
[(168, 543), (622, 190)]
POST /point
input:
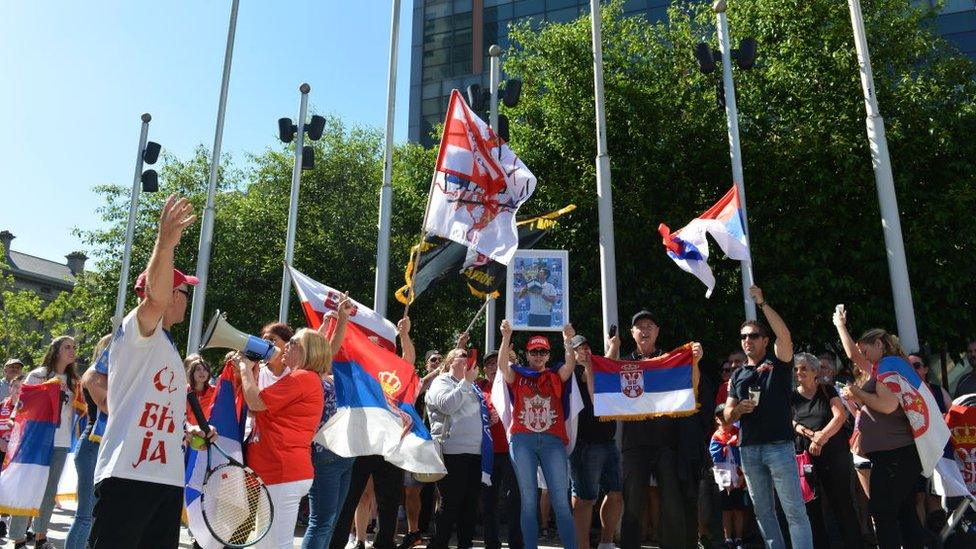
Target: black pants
[(833, 471), (388, 487), (679, 498), (459, 491), (892, 504), (133, 513), (504, 488)]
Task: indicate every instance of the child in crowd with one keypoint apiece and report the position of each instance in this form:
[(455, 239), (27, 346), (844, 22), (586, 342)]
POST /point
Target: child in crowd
[(724, 449)]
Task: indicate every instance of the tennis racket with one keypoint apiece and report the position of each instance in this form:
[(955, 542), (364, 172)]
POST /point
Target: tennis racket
[(235, 503)]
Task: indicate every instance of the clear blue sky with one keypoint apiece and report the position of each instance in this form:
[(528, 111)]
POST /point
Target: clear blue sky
[(76, 76)]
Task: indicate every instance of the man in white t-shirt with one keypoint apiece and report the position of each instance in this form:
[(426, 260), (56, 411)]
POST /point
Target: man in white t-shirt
[(542, 294), (139, 473)]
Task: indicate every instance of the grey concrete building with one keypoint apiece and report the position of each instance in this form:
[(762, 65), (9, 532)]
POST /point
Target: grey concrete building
[(45, 277), (450, 40)]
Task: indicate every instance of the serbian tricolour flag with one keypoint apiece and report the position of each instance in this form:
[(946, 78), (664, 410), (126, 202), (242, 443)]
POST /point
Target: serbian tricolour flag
[(501, 399), (928, 426), (318, 299), (956, 475), (688, 246), (223, 415), (641, 389), (28, 459), (371, 384), (478, 186)]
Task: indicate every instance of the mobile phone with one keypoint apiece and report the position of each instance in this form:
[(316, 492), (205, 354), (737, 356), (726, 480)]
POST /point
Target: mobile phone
[(613, 330), (840, 308)]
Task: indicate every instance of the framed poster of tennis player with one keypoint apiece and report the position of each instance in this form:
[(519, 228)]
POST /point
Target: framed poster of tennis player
[(537, 290)]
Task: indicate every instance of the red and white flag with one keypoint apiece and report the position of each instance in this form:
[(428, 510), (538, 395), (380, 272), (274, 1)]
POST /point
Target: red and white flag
[(318, 299), (479, 185)]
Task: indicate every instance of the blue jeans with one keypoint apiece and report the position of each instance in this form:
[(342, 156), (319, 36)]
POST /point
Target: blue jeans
[(85, 459), (529, 451), (768, 466), (326, 496)]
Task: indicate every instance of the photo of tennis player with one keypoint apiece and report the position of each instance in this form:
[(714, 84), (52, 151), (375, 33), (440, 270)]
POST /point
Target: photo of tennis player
[(538, 290)]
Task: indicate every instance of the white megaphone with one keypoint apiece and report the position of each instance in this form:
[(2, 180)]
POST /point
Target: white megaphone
[(221, 335)]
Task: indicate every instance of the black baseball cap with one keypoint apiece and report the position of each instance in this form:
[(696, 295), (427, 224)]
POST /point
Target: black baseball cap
[(643, 313), (577, 341)]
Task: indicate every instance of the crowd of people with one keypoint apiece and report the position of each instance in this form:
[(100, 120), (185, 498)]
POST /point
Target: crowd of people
[(786, 447)]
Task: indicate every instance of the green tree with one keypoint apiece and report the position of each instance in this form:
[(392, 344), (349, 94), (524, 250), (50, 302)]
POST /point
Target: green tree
[(812, 204), (20, 331)]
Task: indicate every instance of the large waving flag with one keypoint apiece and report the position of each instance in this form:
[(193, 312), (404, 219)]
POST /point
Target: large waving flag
[(438, 257), (478, 186), (501, 399), (224, 416), (28, 460), (928, 426), (688, 246), (372, 384), (639, 389), (318, 299)]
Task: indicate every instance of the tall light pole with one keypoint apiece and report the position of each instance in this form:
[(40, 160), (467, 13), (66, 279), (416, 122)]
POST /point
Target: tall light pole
[(608, 267), (206, 228), (147, 153), (386, 191), (735, 150), (495, 55), (884, 181)]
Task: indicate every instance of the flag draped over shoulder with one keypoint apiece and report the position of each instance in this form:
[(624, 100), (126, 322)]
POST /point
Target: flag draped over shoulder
[(224, 416), (501, 400), (956, 475), (371, 384), (928, 426), (639, 389), (437, 257), (318, 299), (478, 187), (28, 460), (688, 246)]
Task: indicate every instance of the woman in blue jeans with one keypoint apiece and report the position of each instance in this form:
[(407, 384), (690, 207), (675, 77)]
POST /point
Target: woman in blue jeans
[(538, 430), (332, 471), (86, 451)]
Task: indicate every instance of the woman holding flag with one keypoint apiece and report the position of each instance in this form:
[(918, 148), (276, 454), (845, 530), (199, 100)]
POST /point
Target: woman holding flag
[(884, 434), (537, 433)]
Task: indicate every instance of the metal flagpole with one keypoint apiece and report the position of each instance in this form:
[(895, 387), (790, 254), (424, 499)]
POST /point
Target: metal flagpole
[(296, 180), (206, 229), (890, 221), (608, 269), (130, 228), (735, 150), (495, 56), (386, 191)]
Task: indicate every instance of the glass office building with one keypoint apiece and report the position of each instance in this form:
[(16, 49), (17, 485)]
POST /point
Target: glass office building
[(450, 40)]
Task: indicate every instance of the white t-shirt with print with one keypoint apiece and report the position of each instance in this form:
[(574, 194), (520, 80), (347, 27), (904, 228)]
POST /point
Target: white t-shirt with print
[(143, 438), (62, 436)]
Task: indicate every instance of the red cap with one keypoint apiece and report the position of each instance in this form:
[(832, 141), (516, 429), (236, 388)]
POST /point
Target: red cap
[(537, 342), (178, 278)]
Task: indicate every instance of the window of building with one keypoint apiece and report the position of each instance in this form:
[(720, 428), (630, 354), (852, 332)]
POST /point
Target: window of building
[(552, 5), (562, 16), (433, 10), (529, 7)]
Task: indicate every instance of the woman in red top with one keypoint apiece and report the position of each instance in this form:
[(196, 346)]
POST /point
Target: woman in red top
[(538, 431), (198, 381), (286, 418)]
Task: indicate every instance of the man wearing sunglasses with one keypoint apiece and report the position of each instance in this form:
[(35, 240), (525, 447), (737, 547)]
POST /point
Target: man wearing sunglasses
[(759, 398), (671, 449)]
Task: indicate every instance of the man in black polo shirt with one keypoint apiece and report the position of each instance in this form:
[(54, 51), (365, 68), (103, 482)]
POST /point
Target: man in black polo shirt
[(759, 398), (672, 449), (595, 461)]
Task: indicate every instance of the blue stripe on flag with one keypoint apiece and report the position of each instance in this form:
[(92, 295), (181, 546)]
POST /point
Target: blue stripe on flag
[(657, 380), (356, 388), (36, 443)]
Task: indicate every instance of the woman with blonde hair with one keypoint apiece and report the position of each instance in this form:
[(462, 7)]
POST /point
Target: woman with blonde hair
[(286, 418)]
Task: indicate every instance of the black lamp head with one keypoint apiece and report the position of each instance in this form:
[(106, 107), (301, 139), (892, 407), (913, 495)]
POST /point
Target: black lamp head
[(704, 57), (315, 127), (513, 90), (151, 153), (745, 56), (308, 157), (502, 127), (150, 181), (286, 130), (476, 99)]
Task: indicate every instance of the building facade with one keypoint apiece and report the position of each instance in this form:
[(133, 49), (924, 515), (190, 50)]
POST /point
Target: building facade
[(450, 40), (44, 277)]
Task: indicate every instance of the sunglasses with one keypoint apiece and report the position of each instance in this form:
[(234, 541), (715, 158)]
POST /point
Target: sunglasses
[(434, 359), (183, 291), (750, 335), (463, 355), (538, 352)]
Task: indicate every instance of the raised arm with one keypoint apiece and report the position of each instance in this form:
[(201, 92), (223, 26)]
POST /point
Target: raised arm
[(784, 341), (613, 347), (342, 318), (407, 351), (568, 367), (97, 386), (504, 353), (249, 386), (853, 353), (177, 214)]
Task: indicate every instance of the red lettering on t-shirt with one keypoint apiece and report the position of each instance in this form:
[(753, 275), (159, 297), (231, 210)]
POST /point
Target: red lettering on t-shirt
[(150, 451)]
